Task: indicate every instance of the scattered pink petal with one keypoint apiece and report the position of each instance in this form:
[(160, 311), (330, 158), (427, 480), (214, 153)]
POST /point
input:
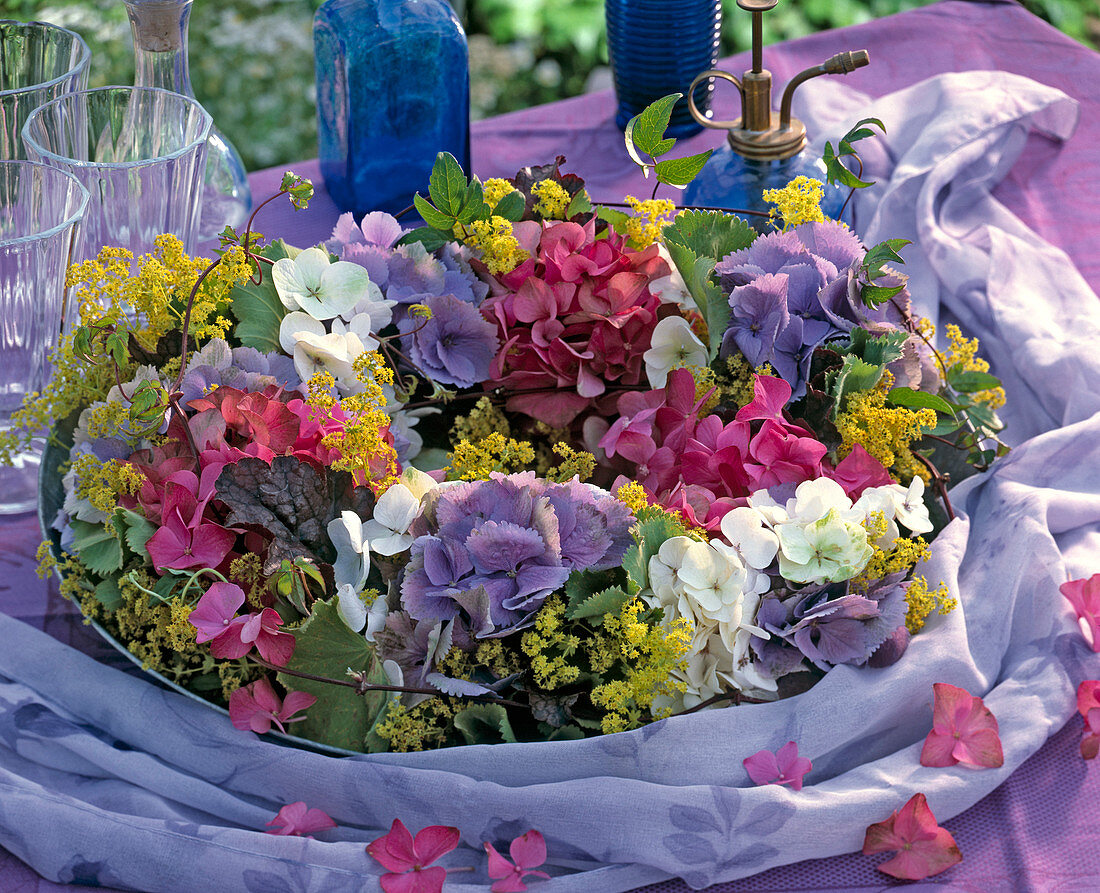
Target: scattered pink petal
[(963, 731), (1084, 595), (298, 820), (256, 707), (407, 859), (924, 848), (784, 766), (528, 851), (1088, 704)]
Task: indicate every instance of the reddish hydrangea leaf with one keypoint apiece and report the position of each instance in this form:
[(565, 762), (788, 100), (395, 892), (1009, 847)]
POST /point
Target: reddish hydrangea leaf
[(924, 848), (298, 820), (963, 731), (1084, 595)]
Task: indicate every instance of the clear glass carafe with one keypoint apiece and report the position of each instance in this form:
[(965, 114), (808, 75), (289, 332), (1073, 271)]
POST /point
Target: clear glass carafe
[(160, 60)]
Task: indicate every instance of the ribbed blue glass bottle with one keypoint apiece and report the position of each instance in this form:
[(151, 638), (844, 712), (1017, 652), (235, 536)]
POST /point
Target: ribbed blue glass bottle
[(393, 91), (657, 47)]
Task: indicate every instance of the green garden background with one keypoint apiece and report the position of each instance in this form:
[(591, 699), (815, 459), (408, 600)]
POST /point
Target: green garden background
[(252, 60)]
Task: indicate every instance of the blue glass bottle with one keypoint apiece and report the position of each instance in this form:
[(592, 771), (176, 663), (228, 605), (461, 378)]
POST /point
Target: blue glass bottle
[(393, 91), (655, 48), (729, 181)]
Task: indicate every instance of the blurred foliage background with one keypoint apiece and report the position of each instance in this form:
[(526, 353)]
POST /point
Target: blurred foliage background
[(252, 60)]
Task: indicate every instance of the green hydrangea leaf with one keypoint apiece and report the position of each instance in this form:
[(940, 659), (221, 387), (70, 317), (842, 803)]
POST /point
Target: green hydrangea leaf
[(903, 396), (135, 530), (583, 584), (511, 206), (969, 382), (432, 215), (447, 184), (579, 204), (257, 308), (681, 171), (648, 539), (709, 298), (98, 547), (610, 601), (485, 724), (327, 647), (108, 594), (473, 204), (853, 376), (709, 233), (646, 130), (431, 238)]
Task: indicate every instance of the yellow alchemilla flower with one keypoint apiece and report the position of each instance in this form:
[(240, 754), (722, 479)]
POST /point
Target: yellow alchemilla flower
[(798, 202), (644, 227), (553, 200), (499, 246), (494, 189)]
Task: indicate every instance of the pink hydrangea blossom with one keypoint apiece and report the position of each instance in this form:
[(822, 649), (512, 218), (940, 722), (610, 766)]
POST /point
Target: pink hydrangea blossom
[(575, 317), (232, 636), (924, 848), (257, 707), (298, 820), (185, 540), (407, 860), (528, 851), (1084, 595), (784, 766), (963, 731)]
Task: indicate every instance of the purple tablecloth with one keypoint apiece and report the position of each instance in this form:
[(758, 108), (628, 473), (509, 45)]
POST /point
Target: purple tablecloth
[(1036, 831)]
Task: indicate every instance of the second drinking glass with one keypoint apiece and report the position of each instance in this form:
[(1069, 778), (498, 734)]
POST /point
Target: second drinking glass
[(140, 152)]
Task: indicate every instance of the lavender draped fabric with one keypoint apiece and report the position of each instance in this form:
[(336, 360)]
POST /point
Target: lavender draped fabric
[(103, 775)]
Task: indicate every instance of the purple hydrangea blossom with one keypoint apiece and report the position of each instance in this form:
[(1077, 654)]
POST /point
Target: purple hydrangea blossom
[(498, 545), (594, 526), (456, 346), (833, 626), (788, 292)]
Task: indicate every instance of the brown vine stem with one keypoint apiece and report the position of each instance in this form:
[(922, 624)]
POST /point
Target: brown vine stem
[(939, 481), (364, 687), (735, 696)]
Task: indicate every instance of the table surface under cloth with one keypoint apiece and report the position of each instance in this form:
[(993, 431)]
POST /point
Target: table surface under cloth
[(1037, 831)]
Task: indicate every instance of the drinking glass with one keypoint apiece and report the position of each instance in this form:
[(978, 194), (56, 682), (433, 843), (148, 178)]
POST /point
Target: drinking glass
[(40, 211), (141, 154), (38, 62)]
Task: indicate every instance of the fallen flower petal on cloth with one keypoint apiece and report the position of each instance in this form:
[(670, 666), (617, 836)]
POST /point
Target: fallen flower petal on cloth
[(1084, 595), (528, 851), (784, 766), (963, 731), (1088, 704), (924, 847), (296, 819), (407, 858)]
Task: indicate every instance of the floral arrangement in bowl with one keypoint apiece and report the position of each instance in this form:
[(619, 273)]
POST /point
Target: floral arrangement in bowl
[(534, 471)]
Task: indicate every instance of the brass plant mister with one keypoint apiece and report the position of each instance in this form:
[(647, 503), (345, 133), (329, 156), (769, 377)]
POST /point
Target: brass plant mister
[(754, 135)]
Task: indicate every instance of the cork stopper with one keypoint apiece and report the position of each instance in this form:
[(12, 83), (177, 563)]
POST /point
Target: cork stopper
[(156, 24)]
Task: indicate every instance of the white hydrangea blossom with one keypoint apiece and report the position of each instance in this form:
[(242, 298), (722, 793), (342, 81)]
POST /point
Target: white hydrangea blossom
[(312, 283), (709, 585), (387, 531), (672, 346)]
